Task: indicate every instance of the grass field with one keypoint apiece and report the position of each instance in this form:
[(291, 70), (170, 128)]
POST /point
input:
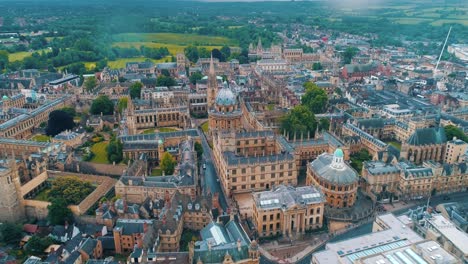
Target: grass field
[(148, 131), (173, 48), (100, 152), (17, 56), (205, 127), (41, 138), (120, 63), (396, 144), (43, 195), (167, 129), (156, 172), (174, 38)]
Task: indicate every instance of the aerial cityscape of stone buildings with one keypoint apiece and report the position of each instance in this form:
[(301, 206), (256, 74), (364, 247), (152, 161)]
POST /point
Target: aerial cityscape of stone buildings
[(240, 179)]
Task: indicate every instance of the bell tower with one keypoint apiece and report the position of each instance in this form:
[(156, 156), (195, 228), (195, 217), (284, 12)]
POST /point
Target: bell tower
[(11, 204), (212, 85)]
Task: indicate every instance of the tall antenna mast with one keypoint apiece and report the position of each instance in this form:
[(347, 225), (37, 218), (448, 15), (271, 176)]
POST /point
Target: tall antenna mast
[(442, 51)]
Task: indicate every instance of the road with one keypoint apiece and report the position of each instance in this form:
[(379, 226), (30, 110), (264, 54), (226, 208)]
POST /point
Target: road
[(209, 177)]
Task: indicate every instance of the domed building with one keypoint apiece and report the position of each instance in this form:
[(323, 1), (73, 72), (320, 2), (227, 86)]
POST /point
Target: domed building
[(338, 181), (225, 115)]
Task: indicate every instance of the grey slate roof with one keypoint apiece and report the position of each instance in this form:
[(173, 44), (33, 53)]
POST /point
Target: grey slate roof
[(321, 167), (427, 136)]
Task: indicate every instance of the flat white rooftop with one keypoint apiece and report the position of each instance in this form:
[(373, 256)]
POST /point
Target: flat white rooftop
[(451, 232)]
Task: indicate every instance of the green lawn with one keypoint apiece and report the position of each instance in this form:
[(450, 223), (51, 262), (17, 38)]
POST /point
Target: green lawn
[(41, 138), (148, 131), (205, 127), (17, 56), (100, 152), (167, 129), (156, 172), (396, 144), (174, 38), (43, 195), (121, 63), (173, 48)]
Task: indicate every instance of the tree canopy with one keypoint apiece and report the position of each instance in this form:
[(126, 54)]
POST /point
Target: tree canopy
[(167, 81), (103, 105), (122, 104), (59, 120), (452, 131), (10, 233), (71, 188), (135, 90), (58, 212), (168, 163), (90, 84), (115, 150), (300, 121), (195, 77), (315, 98)]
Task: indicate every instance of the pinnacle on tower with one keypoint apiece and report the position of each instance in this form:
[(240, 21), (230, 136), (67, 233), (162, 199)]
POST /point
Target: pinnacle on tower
[(212, 69)]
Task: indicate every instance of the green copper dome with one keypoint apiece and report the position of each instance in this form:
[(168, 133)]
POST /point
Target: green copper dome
[(338, 153), (4, 98)]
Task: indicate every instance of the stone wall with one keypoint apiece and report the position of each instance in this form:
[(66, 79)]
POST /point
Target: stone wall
[(36, 209)]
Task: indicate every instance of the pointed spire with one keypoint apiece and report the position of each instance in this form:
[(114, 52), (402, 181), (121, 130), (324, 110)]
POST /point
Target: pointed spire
[(212, 69)]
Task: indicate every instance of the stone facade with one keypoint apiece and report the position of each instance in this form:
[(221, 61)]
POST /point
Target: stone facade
[(12, 203)]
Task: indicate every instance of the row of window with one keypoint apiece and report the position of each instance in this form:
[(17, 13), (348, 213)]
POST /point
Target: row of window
[(262, 168), (262, 176)]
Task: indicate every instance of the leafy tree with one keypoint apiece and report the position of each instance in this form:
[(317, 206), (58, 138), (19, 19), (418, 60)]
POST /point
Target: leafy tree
[(59, 212), (195, 77), (90, 84), (324, 124), (115, 151), (358, 158), (10, 233), (226, 51), (315, 98), (37, 245), (317, 66), (199, 150), (453, 131), (217, 54), (349, 54), (103, 105), (122, 104), (69, 110), (135, 90), (165, 81), (59, 121), (3, 59), (71, 188), (191, 52), (168, 163), (300, 121), (165, 72)]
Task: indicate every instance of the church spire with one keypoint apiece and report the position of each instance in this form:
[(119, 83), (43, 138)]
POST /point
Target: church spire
[(211, 71), (212, 85)]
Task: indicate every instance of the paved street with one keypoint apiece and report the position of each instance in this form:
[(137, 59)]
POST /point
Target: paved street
[(209, 176)]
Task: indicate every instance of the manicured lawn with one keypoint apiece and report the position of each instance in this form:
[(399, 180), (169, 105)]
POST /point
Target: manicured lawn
[(205, 127), (41, 138), (17, 56), (173, 38), (100, 152), (148, 131), (43, 195), (167, 129), (396, 144), (156, 172), (121, 63)]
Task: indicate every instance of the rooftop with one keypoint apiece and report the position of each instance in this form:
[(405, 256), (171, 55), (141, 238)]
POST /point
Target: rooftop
[(287, 196)]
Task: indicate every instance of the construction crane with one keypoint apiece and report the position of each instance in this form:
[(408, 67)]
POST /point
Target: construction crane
[(442, 52)]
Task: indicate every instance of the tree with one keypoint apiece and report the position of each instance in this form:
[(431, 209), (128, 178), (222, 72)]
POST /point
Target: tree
[(90, 83), (103, 105), (10, 233), (122, 104), (3, 59), (317, 66), (217, 54), (358, 158), (191, 52), (195, 77), (168, 163), (226, 51), (165, 72), (300, 121), (135, 90), (59, 121), (37, 245), (59, 212), (314, 98), (70, 188), (69, 110), (452, 131), (165, 81), (349, 54), (199, 150), (324, 124), (115, 151)]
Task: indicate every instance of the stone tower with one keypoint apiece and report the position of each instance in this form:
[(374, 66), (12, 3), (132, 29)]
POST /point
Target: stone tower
[(11, 203), (131, 119), (212, 85)]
